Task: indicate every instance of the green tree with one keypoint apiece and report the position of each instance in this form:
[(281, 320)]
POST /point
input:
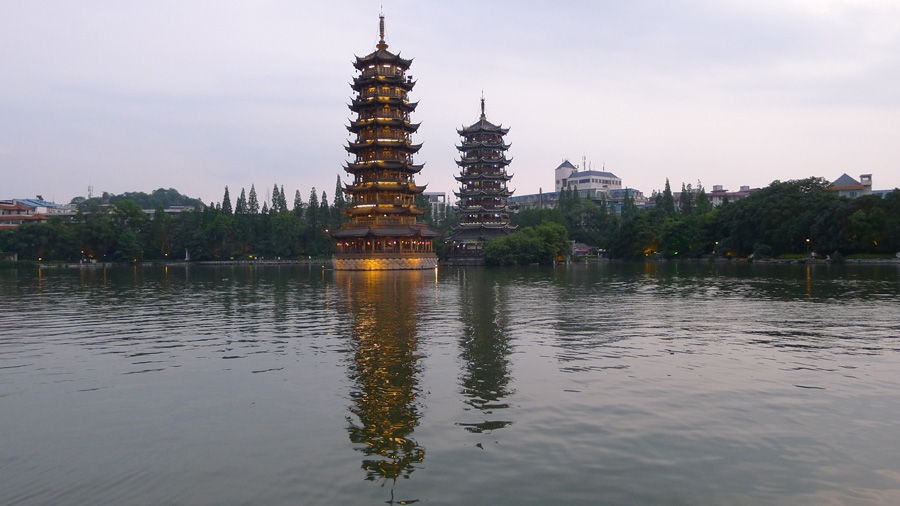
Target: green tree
[(298, 204), (782, 216), (276, 200), (337, 207), (667, 202), (312, 210), (541, 244), (253, 202), (686, 203), (703, 204), (160, 234), (226, 202), (240, 206)]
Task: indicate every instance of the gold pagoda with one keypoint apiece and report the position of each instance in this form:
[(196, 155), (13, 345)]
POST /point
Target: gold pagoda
[(383, 232)]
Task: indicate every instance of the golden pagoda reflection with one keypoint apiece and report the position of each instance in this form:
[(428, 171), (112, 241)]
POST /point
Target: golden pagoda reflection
[(485, 350), (384, 367)]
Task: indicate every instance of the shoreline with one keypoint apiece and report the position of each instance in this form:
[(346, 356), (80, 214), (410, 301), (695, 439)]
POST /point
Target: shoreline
[(326, 263)]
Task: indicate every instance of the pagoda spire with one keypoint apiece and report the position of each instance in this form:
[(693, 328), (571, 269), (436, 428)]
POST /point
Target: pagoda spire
[(483, 117), (381, 43)]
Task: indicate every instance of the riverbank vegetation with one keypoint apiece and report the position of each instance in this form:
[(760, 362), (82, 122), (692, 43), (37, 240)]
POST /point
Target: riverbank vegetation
[(797, 217), (783, 219), (119, 230), (539, 244)]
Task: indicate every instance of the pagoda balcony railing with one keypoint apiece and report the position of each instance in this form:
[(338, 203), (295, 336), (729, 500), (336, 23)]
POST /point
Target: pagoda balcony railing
[(360, 252), (381, 113), (480, 223), (472, 156), (487, 206), (500, 174), (485, 138), (384, 157), (484, 188), (468, 144), (382, 71), (385, 220), (397, 135), (483, 217), (382, 177), (469, 158), (487, 218), (459, 251), (381, 93), (483, 166), (397, 201), (483, 201), (468, 179)]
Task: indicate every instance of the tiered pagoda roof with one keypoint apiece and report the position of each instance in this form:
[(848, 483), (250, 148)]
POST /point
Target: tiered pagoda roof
[(483, 192), (383, 215)]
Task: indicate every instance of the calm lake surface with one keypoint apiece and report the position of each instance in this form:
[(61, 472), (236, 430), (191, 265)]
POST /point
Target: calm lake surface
[(583, 384)]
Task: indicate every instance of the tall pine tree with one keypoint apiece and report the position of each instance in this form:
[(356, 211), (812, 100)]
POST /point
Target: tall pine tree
[(686, 204), (337, 208), (298, 204), (253, 203), (312, 210), (324, 212), (240, 206), (226, 202), (668, 201)]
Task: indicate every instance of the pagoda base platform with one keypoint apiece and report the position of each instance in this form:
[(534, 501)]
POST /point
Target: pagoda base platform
[(385, 261), (463, 260)]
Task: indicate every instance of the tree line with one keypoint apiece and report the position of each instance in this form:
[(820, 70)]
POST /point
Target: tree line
[(797, 217), (785, 218), (118, 229)]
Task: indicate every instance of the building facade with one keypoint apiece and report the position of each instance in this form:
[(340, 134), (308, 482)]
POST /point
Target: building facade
[(440, 207), (600, 187), (568, 176), (719, 195), (846, 186), (384, 232), (15, 212)]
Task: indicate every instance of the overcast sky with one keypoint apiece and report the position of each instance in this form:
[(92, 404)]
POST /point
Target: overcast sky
[(197, 95)]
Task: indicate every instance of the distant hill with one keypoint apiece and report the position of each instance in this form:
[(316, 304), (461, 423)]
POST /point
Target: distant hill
[(160, 197)]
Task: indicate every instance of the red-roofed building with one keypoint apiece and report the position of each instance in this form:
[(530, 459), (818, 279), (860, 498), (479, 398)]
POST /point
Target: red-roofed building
[(18, 211), (846, 186)]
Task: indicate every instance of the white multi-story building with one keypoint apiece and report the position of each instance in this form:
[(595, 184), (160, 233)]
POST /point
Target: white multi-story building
[(568, 176), (601, 187), (439, 207)]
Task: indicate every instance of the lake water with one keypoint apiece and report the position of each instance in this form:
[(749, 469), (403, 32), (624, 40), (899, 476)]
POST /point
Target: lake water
[(583, 384)]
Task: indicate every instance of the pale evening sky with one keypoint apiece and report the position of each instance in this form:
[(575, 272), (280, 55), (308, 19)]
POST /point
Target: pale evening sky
[(196, 95)]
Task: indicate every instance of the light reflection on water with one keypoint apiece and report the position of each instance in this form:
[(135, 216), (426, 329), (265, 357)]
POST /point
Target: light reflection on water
[(385, 369), (611, 383)]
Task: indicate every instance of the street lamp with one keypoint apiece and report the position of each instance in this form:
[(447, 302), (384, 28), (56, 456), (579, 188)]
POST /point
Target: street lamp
[(807, 246)]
